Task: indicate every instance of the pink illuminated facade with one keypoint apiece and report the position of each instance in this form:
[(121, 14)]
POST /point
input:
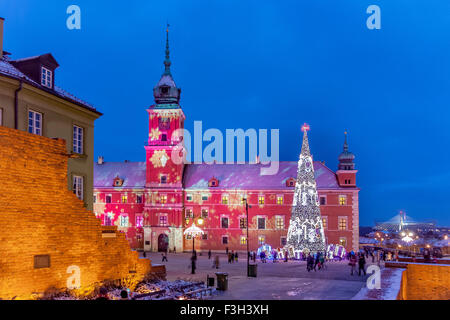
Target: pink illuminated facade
[(154, 201)]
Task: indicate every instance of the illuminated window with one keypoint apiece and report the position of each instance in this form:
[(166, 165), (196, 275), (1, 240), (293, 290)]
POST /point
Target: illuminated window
[(243, 240), (243, 223), (343, 241), (139, 198), (224, 199), (342, 223), (279, 199), (283, 241), (325, 223), (261, 223), (46, 78), (163, 221), (35, 122), (124, 199), (107, 220), (139, 221), (204, 213), (224, 222), (279, 222), (189, 197), (262, 239), (78, 133), (261, 199), (342, 200), (78, 186), (163, 199), (108, 199), (189, 213), (124, 221), (323, 200)]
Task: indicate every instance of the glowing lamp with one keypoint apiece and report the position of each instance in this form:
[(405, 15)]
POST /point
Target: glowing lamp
[(200, 221)]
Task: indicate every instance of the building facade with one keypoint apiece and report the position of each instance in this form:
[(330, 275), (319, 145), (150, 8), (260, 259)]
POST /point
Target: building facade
[(154, 201), (30, 101)]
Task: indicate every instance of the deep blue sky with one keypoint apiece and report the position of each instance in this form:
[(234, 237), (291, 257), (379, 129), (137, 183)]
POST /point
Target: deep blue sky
[(269, 64)]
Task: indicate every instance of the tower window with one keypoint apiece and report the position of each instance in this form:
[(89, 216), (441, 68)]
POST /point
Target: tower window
[(46, 78), (164, 137), (164, 90)]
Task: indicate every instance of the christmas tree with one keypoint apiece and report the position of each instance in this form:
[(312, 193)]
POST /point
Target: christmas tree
[(305, 232)]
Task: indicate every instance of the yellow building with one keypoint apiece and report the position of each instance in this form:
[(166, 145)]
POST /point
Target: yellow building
[(30, 101)]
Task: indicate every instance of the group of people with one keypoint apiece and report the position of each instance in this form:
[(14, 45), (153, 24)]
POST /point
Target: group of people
[(315, 261), (357, 258)]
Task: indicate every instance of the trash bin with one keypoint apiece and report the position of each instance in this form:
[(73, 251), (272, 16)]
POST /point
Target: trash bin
[(222, 281), (209, 281), (252, 270)]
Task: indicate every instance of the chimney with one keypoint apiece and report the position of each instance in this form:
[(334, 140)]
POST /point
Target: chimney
[(100, 160), (1, 37)]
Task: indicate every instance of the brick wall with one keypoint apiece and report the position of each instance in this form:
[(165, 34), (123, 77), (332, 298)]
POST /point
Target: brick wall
[(39, 216), (425, 282)]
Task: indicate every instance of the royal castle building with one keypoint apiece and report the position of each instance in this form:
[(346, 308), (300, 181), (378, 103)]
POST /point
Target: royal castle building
[(153, 202)]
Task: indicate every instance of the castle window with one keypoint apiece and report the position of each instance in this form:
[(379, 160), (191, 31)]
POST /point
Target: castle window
[(46, 78), (107, 220), (261, 223), (139, 198), (205, 236), (243, 240), (163, 199), (204, 213), (189, 213), (124, 199), (243, 223), (164, 137), (108, 199), (213, 182), (224, 222), (204, 197), (279, 223), (34, 122), (224, 199), (224, 239), (262, 240), (164, 123), (163, 221), (95, 198), (124, 221), (139, 221), (261, 199), (342, 200), (323, 200), (279, 200), (342, 223), (189, 197), (164, 90), (325, 223), (290, 182), (163, 179)]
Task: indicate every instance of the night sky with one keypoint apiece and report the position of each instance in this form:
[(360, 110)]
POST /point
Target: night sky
[(269, 64)]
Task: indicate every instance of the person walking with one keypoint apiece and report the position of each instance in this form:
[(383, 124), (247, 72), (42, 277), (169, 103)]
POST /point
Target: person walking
[(164, 257), (309, 262), (352, 263), (209, 254), (316, 260), (286, 254), (229, 257), (236, 256), (216, 262), (275, 256), (361, 264), (193, 263), (232, 256)]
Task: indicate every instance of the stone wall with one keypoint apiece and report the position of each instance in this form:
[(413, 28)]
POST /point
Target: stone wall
[(45, 229), (425, 282)]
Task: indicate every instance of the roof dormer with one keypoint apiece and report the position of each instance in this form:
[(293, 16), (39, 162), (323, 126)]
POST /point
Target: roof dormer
[(41, 69), (213, 182), (117, 182), (290, 182)]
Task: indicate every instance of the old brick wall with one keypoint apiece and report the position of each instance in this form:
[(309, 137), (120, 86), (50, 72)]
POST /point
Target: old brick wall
[(425, 282), (39, 216)]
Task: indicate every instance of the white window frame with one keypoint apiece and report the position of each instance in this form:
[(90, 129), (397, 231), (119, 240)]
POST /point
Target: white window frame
[(343, 196), (78, 139), (228, 238), (166, 218), (121, 220), (265, 222), (78, 186), (282, 199), (346, 223), (142, 219), (323, 197), (36, 125), (228, 222), (276, 225), (46, 77)]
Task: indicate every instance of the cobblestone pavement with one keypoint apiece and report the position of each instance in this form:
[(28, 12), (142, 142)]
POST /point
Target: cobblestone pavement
[(281, 280)]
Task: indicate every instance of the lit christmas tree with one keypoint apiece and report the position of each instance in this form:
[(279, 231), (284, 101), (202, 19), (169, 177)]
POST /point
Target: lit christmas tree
[(305, 232)]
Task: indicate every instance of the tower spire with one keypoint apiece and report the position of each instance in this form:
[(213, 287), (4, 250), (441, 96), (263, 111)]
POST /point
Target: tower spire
[(345, 142), (167, 62)]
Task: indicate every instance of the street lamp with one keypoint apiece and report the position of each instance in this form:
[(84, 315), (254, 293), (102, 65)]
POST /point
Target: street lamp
[(248, 250), (193, 231)]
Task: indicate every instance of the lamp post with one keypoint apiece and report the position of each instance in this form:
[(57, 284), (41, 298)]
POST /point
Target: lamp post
[(248, 249), (194, 231)]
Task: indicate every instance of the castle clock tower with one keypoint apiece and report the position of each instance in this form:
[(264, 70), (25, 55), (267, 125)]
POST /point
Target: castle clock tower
[(163, 208)]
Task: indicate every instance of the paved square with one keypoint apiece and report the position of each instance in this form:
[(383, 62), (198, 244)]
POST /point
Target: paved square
[(281, 280)]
